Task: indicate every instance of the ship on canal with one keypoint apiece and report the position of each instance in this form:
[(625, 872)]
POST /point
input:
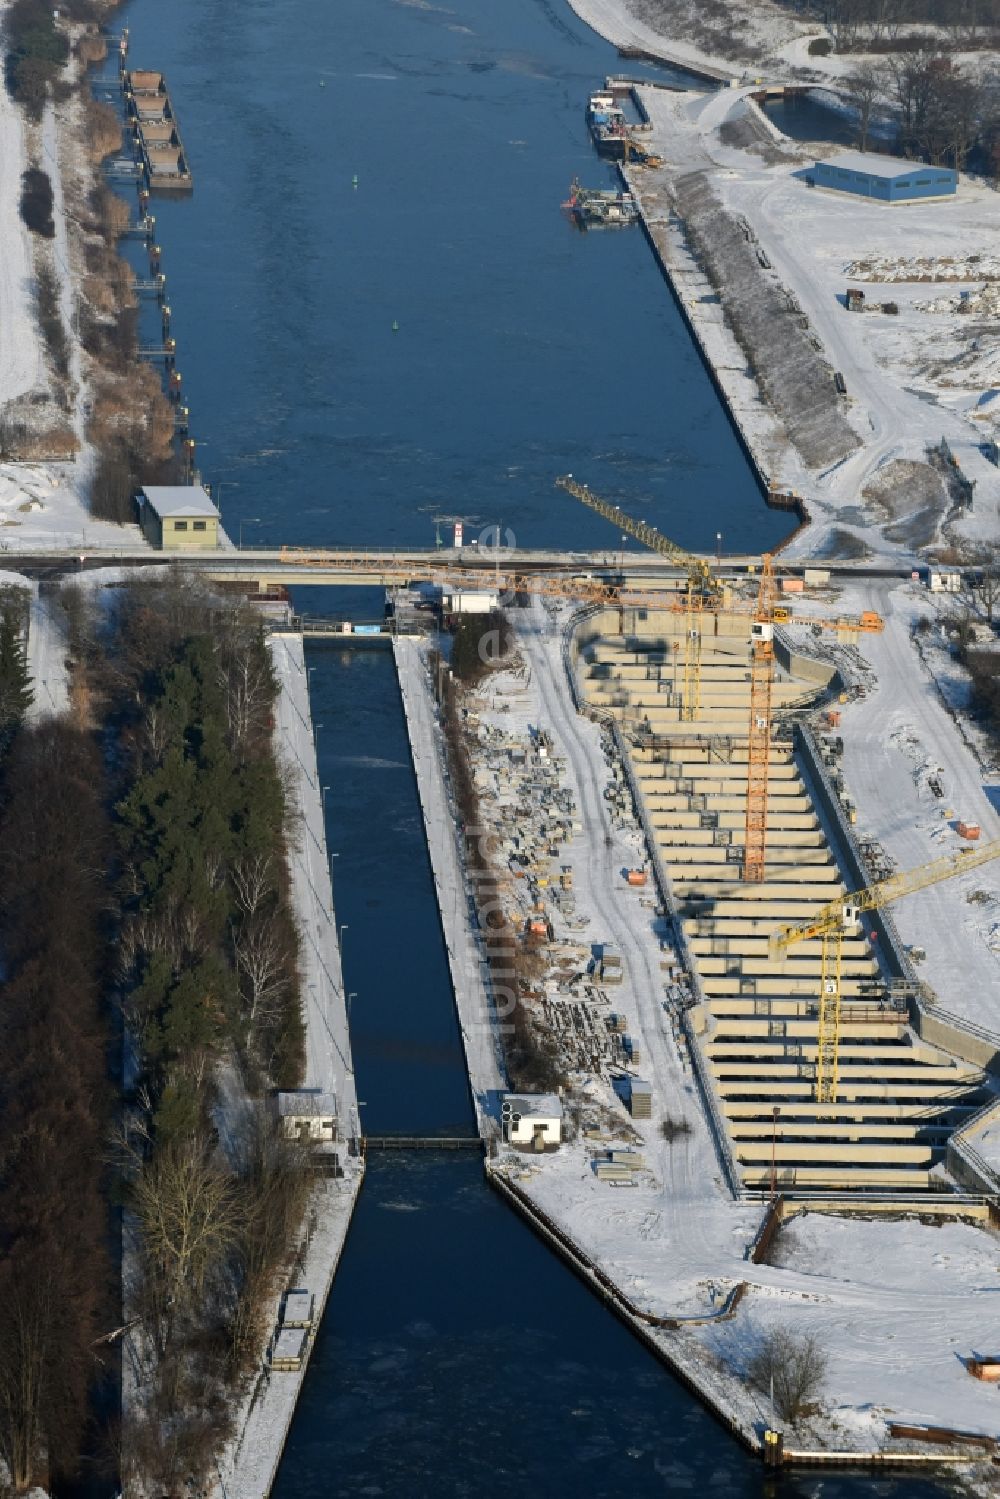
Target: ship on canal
[(601, 207), (608, 125)]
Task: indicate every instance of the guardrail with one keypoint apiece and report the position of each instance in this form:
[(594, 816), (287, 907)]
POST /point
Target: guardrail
[(960, 1145)]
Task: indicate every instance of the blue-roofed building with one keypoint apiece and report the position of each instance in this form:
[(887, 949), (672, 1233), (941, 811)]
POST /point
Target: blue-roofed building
[(886, 179)]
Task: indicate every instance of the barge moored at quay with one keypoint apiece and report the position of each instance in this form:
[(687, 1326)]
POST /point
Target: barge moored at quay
[(150, 115)]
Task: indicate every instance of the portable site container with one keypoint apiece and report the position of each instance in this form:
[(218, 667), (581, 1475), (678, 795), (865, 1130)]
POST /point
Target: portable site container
[(297, 1309), (289, 1349), (630, 1158), (608, 1171), (640, 1099)]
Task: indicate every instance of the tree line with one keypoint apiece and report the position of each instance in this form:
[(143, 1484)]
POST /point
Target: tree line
[(893, 25), (210, 997), (55, 1277), (944, 112), (150, 1000)]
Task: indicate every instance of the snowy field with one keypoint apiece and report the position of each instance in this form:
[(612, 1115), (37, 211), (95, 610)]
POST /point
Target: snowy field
[(900, 742), (41, 504), (897, 1306), (912, 378)]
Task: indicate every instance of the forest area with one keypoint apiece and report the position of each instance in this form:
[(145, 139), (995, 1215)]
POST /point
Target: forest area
[(895, 25), (150, 1004)]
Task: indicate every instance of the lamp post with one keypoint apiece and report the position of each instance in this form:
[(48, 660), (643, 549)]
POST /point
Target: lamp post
[(718, 548), (247, 520), (324, 790), (774, 1152), (353, 995), (340, 939)]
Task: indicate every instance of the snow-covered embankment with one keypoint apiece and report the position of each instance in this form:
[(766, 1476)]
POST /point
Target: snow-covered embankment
[(249, 1465)]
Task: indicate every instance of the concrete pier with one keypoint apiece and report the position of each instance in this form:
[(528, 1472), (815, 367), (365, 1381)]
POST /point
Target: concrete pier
[(466, 959)]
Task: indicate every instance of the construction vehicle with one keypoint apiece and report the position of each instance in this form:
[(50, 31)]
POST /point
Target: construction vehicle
[(841, 916), (634, 153)]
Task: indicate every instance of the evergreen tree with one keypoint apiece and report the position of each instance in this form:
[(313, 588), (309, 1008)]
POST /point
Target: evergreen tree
[(16, 694)]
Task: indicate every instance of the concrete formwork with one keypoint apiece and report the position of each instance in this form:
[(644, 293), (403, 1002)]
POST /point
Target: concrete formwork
[(899, 1097)]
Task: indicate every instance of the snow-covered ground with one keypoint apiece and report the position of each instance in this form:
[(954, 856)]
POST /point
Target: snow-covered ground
[(912, 378), (47, 656), (22, 364), (768, 34), (469, 970), (898, 740), (42, 505), (46, 648), (248, 1466), (751, 39), (897, 1306)]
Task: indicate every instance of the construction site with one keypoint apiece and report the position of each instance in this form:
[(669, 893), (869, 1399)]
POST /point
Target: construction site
[(705, 914)]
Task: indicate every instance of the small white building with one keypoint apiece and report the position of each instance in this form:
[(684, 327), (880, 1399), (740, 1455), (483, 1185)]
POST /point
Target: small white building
[(532, 1119), (944, 580), (307, 1114), (175, 516)]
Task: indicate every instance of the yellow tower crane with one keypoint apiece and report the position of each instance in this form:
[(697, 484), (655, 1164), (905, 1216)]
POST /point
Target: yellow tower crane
[(704, 594), (840, 916), (702, 590)]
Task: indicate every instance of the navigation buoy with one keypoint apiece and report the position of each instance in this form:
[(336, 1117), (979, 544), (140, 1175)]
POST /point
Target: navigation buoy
[(354, 180), (395, 326), (322, 83)]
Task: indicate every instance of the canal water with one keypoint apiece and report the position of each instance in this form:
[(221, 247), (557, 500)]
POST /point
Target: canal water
[(457, 1357), (524, 348), (815, 117)]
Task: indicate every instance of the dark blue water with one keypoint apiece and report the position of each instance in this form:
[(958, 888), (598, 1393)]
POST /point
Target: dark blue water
[(407, 1055), (806, 117), (525, 349)]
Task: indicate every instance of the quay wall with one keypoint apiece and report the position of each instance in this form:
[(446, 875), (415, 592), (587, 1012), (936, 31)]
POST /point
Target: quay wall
[(757, 429)]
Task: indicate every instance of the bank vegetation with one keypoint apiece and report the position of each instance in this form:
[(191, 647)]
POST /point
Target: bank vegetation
[(151, 1006), (106, 394), (206, 970), (56, 1282)]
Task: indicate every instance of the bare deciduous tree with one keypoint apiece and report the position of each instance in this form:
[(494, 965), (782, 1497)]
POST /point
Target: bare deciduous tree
[(247, 683), (984, 584), (263, 964), (865, 87), (791, 1365), (190, 1214), (253, 881)]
